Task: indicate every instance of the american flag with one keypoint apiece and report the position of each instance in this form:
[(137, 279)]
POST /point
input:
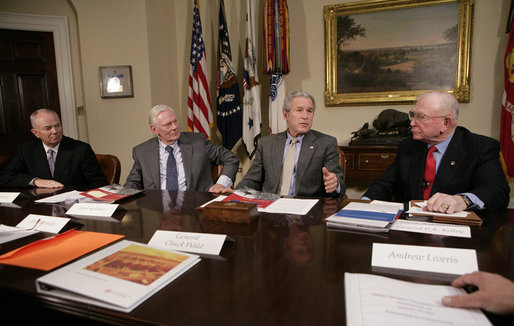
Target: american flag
[(199, 114)]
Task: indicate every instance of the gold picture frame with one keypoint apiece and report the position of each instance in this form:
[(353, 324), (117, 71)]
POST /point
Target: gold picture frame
[(392, 70)]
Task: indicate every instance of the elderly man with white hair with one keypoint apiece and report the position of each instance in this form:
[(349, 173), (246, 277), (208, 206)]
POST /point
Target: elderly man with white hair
[(179, 161), (443, 163)]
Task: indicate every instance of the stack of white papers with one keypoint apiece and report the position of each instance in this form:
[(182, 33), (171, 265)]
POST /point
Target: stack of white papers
[(377, 300)]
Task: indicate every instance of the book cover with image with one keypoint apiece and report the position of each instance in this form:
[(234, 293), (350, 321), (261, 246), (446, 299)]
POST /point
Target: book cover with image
[(119, 277)]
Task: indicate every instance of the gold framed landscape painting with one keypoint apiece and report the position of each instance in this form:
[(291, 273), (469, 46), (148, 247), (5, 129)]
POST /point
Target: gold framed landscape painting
[(391, 51)]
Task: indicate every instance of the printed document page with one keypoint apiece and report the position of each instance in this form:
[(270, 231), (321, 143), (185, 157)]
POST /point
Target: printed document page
[(290, 206), (377, 300)]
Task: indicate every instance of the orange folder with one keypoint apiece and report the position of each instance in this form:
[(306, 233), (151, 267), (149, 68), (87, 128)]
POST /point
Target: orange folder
[(49, 253)]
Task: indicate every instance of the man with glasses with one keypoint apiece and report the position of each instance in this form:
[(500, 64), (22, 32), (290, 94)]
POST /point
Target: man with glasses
[(52, 160), (446, 164)]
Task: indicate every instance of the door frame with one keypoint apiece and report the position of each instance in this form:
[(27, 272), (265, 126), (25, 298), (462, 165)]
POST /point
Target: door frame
[(58, 25)]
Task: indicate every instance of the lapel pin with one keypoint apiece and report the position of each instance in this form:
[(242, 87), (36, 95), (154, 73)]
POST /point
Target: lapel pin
[(452, 163)]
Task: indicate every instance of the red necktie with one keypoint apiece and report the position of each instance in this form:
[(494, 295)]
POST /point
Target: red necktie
[(429, 176)]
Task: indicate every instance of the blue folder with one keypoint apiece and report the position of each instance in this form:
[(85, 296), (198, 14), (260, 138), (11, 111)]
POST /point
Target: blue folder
[(377, 216)]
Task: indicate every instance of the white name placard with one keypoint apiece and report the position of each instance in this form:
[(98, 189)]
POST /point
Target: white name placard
[(92, 209), (202, 243), (423, 258), (452, 230), (43, 223), (8, 197)]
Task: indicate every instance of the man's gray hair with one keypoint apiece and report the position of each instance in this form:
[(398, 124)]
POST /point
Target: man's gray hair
[(446, 101), (33, 115), (288, 101), (155, 111)]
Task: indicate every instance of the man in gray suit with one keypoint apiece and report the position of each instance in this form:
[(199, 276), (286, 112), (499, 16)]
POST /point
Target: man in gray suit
[(191, 157), (315, 164)]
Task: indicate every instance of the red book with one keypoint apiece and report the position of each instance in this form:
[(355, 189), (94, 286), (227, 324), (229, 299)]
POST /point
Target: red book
[(261, 203), (110, 193)]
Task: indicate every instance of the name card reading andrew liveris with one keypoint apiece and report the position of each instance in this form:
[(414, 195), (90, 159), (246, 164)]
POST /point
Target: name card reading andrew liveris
[(423, 258), (202, 243)]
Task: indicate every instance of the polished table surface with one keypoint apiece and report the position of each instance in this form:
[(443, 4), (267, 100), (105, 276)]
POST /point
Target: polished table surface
[(279, 270)]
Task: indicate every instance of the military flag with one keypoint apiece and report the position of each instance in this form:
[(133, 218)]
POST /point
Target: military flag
[(228, 102), (276, 58), (507, 114)]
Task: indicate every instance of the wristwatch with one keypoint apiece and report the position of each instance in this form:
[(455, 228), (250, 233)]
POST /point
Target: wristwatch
[(468, 201)]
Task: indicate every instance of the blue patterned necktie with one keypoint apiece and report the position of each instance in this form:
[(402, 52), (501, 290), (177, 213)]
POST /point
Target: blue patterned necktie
[(51, 161), (171, 171)]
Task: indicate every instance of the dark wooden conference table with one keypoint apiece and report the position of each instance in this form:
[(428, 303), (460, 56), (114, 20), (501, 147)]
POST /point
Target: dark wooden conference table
[(279, 270)]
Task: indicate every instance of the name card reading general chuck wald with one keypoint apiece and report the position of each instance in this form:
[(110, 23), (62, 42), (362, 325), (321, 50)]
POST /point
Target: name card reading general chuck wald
[(202, 243)]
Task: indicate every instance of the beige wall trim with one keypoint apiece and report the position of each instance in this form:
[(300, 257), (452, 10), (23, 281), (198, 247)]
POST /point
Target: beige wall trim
[(58, 25)]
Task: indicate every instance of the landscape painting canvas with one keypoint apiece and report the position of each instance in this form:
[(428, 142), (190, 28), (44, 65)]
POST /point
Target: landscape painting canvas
[(393, 53), (421, 55)]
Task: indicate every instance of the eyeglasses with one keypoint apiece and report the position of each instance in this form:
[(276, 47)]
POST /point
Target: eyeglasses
[(422, 117)]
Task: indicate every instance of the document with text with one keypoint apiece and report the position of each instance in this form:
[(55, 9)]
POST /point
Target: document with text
[(377, 300)]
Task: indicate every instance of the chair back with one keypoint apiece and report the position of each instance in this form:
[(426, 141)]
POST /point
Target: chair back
[(110, 166)]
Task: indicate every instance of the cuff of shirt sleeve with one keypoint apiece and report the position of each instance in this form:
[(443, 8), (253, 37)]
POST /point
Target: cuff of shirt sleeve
[(225, 181), (477, 203)]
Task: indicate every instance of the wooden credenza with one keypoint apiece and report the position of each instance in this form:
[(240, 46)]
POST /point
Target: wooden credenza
[(365, 164)]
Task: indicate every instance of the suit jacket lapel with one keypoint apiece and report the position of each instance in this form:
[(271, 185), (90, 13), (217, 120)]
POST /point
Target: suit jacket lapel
[(306, 152), (42, 162), (153, 162), (186, 150), (61, 161), (277, 153), (417, 169), (454, 153)]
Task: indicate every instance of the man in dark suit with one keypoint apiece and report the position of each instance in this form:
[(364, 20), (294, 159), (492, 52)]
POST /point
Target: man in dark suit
[(468, 172), (52, 160), (315, 163), (192, 156)]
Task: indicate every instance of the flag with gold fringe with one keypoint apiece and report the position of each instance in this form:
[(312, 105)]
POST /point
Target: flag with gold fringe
[(276, 58), (276, 37), (199, 113), (228, 102)]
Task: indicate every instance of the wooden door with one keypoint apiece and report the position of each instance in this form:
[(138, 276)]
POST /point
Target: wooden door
[(28, 81)]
